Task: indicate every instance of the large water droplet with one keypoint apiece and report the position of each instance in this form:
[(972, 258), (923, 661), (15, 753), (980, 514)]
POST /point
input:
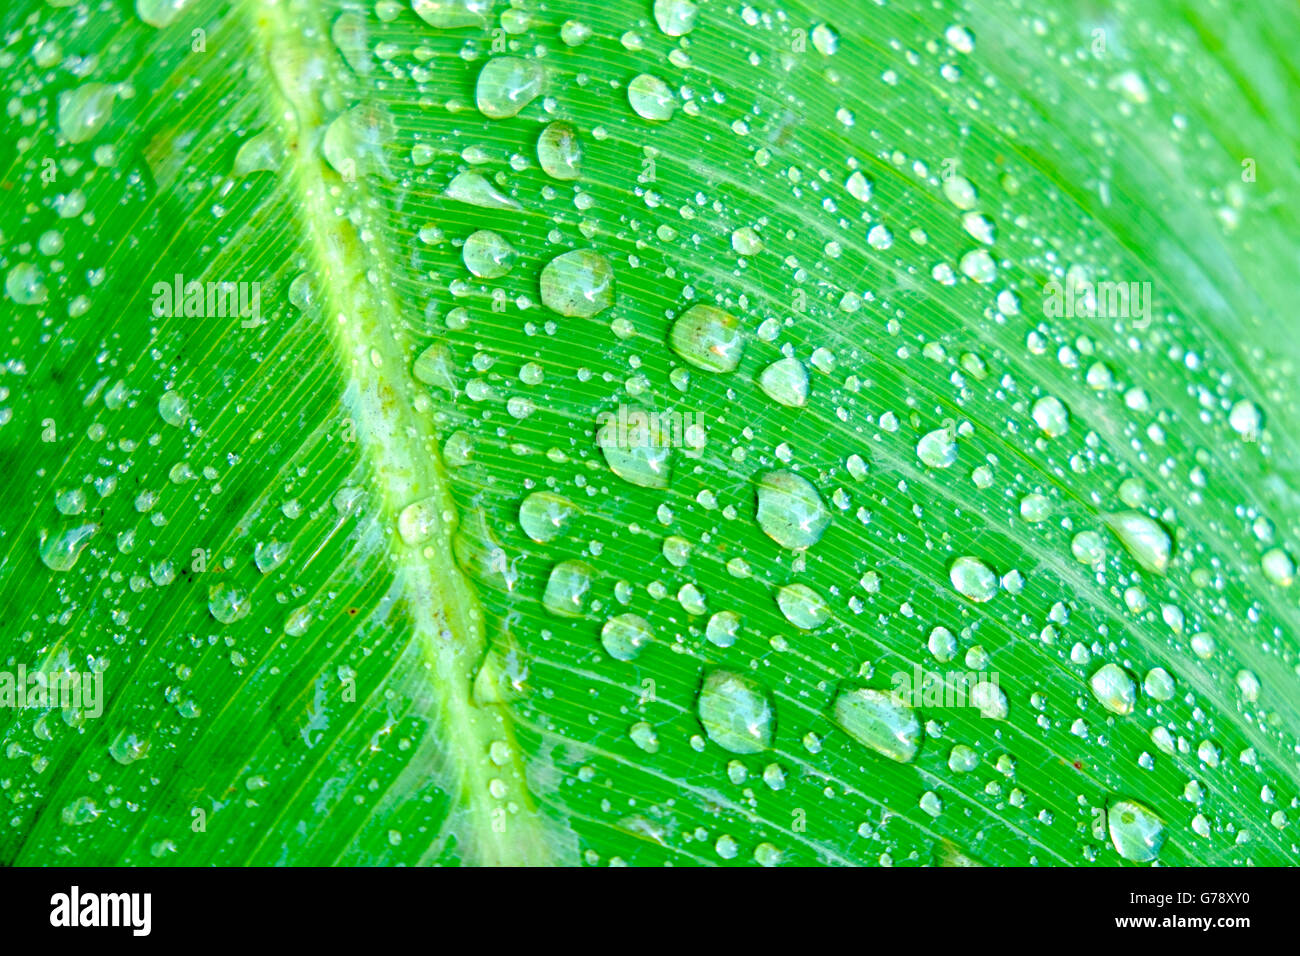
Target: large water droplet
[(578, 283), (973, 579), (228, 603), (651, 98), (83, 111), (1051, 416), (1135, 830), (59, 552), (451, 14), (559, 151), (937, 448), (708, 338), (159, 13), (25, 284), (1144, 538), (790, 511), (879, 721), (624, 636), (1114, 689), (802, 606), (676, 18), (544, 515), (471, 188), (488, 255), (736, 712), (785, 381), (507, 84), (634, 450), (417, 522), (567, 586)]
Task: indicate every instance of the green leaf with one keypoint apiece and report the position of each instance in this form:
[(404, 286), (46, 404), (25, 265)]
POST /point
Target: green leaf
[(584, 433)]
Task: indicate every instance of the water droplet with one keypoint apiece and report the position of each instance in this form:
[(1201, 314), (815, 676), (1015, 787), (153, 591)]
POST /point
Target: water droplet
[(937, 448), (973, 579), (736, 712), (60, 552), (1246, 419), (433, 367), (488, 255), (708, 338), (417, 522), (1278, 567), (83, 111), (578, 283), (825, 40), (228, 603), (25, 284), (790, 511), (567, 586), (471, 188), (1135, 830), (507, 84), (127, 748), (746, 242), (451, 14), (676, 18), (1114, 689), (634, 450), (260, 153), (173, 409), (722, 628), (355, 142), (269, 555), (802, 606), (651, 98), (1158, 685), (624, 636), (989, 699), (544, 515), (785, 381), (1144, 538), (1051, 416), (879, 721), (159, 13), (559, 151), (644, 736), (962, 759)]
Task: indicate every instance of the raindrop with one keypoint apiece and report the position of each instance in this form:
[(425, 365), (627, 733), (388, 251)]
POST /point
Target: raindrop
[(736, 712)]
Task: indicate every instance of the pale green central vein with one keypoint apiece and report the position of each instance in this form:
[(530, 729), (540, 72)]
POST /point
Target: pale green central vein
[(495, 822)]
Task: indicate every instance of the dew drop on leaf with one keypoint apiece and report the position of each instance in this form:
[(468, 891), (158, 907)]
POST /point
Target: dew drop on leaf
[(59, 552), (973, 579), (790, 511), (1135, 830), (578, 283), (544, 515), (559, 151), (802, 606), (1114, 689), (566, 588), (708, 338), (785, 381), (624, 636), (1144, 538), (736, 712), (507, 84), (878, 721), (488, 255), (228, 603), (651, 98), (84, 110)]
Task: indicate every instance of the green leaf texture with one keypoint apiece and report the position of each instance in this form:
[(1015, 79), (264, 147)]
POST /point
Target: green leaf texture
[(366, 538)]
